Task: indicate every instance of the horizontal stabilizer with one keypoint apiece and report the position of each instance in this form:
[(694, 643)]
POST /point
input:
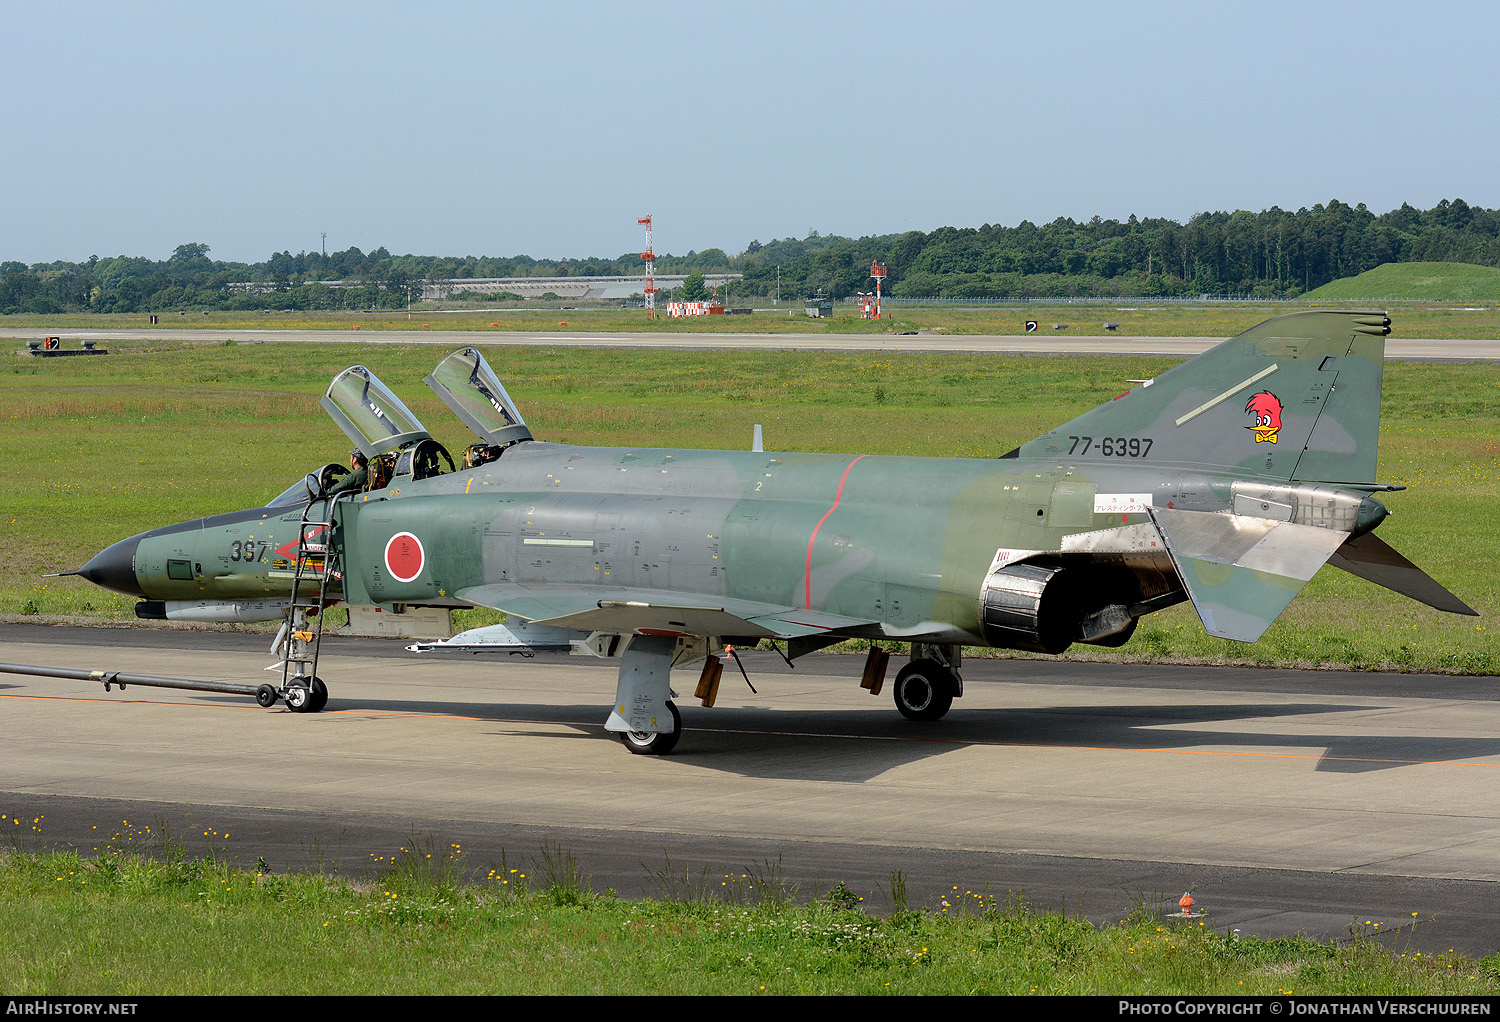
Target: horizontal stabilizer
[(1374, 560), (1240, 571), (650, 611)]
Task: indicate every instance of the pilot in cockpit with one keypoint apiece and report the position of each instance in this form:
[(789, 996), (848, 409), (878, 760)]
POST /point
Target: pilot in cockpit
[(358, 477)]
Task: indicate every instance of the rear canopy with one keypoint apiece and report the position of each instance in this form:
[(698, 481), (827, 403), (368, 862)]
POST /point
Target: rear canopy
[(467, 384)]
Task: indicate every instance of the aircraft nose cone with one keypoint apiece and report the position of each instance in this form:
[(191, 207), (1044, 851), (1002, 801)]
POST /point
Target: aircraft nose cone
[(114, 567)]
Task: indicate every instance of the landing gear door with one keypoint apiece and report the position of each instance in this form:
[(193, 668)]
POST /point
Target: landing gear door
[(467, 384), (366, 410)]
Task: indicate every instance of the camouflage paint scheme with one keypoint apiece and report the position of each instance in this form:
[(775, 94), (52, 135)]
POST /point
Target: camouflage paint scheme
[(1227, 480)]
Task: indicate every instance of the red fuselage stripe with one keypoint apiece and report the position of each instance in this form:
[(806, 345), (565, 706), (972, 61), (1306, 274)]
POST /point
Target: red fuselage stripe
[(838, 495)]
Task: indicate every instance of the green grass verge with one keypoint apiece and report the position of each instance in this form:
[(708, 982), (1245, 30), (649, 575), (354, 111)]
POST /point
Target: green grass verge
[(1428, 282), (128, 924), (102, 448)]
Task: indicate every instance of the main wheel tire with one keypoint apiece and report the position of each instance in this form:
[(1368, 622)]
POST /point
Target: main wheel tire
[(924, 690), (655, 743), (266, 696), (319, 696)]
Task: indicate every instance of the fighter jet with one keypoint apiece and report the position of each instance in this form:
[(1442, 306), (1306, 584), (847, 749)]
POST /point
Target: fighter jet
[(1226, 481)]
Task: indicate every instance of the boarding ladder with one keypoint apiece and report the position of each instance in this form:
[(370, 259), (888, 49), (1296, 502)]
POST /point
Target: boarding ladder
[(317, 564)]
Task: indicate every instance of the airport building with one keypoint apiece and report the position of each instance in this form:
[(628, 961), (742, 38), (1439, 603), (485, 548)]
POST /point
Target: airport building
[(609, 288)]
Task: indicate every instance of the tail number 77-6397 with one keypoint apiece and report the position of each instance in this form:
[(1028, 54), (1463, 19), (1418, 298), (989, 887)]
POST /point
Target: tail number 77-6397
[(1112, 447)]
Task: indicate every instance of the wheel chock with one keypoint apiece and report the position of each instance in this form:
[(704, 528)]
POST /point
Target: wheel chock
[(874, 677), (708, 682)]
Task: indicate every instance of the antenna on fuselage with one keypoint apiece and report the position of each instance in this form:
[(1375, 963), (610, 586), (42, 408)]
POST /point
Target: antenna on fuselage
[(757, 444)]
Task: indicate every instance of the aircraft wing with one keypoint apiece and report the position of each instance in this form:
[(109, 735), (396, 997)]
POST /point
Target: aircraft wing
[(653, 611)]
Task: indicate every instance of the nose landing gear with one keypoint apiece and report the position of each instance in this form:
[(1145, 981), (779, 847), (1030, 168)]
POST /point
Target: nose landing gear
[(304, 697)]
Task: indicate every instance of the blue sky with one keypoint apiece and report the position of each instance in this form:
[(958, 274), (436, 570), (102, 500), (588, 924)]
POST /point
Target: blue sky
[(546, 129)]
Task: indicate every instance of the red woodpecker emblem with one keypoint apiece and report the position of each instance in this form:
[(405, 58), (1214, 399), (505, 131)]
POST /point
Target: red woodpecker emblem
[(1266, 407)]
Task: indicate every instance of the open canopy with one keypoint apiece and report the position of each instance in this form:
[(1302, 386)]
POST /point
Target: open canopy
[(371, 416), (467, 384)]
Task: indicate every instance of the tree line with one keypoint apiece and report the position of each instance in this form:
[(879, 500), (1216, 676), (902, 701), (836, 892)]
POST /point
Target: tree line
[(1270, 254)]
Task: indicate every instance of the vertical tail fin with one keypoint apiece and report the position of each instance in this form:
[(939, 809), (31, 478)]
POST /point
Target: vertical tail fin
[(1297, 397)]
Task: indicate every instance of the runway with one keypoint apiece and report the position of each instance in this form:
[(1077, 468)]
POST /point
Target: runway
[(1284, 800), (1397, 348)]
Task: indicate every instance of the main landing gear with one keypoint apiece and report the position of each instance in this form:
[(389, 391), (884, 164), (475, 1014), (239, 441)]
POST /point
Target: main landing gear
[(649, 723), (655, 743), (644, 715), (926, 687)]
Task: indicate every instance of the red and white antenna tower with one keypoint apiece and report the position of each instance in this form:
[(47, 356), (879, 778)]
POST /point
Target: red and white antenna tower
[(650, 259), (877, 270)]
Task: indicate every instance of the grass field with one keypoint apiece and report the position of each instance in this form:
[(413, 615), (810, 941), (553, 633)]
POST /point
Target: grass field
[(101, 448), (126, 924), (1419, 282)]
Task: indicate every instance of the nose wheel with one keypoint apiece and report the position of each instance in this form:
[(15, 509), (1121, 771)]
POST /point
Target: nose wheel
[(304, 697)]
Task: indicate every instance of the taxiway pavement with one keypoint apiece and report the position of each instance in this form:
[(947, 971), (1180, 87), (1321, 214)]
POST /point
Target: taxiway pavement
[(1285, 800)]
